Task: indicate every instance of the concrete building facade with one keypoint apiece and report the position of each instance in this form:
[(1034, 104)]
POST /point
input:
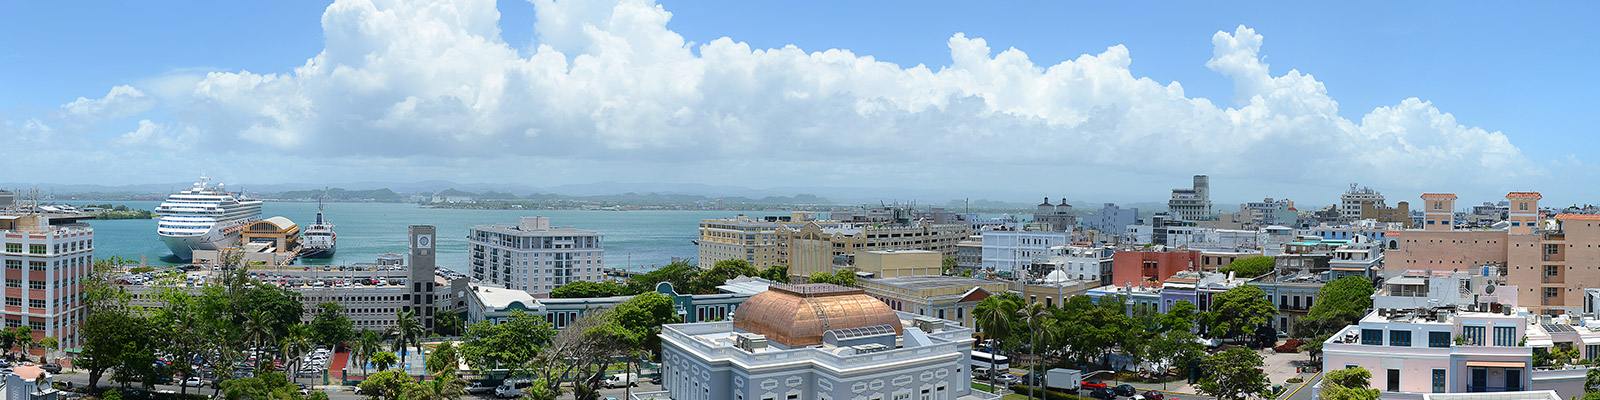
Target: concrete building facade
[(1193, 204), (534, 256), (1351, 201), (812, 247), (1012, 252), (744, 238), (1111, 219), (46, 258), (1149, 267)]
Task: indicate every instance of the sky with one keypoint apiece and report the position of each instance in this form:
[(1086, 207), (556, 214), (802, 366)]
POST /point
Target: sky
[(1001, 100)]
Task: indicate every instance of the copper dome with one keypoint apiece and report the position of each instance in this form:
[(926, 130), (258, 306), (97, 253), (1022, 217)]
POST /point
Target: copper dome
[(797, 315)]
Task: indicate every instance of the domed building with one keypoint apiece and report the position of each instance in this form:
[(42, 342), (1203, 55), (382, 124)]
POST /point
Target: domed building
[(798, 315), (816, 342)]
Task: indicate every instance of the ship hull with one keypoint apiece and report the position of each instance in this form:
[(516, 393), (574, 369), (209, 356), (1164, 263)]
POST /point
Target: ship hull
[(184, 246), (319, 252)]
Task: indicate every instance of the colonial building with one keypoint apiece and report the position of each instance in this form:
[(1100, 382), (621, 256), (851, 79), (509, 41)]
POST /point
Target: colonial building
[(812, 248)]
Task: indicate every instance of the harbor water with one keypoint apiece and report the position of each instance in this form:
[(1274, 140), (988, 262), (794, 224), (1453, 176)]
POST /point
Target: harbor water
[(634, 240)]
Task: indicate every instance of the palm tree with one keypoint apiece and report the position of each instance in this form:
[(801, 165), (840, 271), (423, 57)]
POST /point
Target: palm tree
[(444, 386), (384, 360), (258, 328), (295, 345), (408, 331), (369, 344), (1034, 315), (994, 315)]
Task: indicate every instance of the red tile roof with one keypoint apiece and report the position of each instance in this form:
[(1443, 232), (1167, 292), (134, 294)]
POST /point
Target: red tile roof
[(1578, 217), (1451, 196), (1524, 195)]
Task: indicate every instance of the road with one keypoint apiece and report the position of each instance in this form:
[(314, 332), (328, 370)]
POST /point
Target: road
[(1305, 392), (80, 379)]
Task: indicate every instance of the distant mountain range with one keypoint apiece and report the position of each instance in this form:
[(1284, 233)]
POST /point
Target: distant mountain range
[(609, 192)]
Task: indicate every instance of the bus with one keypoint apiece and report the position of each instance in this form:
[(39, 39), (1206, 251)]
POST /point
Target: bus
[(982, 360)]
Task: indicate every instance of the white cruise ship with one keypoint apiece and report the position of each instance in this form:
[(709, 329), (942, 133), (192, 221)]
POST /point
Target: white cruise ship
[(204, 218)]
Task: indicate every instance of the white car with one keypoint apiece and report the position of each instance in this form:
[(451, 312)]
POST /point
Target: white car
[(193, 381)]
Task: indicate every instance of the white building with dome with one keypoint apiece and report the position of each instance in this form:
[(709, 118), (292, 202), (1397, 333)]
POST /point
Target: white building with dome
[(817, 342)]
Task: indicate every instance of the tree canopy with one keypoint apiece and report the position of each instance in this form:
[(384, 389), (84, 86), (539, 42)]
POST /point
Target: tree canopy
[(511, 345), (844, 277), (331, 327), (680, 274), (586, 289), (776, 273), (1249, 267), (1234, 374), (1239, 310), (1349, 384)]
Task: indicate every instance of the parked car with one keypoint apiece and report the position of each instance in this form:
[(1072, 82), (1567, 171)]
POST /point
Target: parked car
[(656, 379), (1149, 395), (620, 380), (479, 387), (1103, 394), (51, 368), (193, 381), (1094, 385), (1125, 390)]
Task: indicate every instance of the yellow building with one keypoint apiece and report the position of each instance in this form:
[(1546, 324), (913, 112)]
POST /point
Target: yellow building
[(744, 238), (945, 297), (277, 232), (893, 263), (812, 247)]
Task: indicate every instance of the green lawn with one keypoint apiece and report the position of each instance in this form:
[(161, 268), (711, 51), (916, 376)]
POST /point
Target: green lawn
[(983, 387)]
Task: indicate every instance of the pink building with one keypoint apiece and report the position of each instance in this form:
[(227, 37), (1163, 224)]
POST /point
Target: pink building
[(1150, 268), (46, 259)]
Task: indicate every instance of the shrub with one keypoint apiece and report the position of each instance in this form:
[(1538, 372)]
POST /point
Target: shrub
[(1295, 380), (1290, 346), (1048, 394)]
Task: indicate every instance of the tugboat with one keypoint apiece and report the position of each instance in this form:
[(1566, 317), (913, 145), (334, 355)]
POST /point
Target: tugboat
[(319, 241)]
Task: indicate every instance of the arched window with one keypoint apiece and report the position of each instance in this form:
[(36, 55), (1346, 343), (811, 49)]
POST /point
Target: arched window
[(1394, 245)]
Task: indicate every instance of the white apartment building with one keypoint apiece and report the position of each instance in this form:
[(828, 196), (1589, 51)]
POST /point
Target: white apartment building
[(1196, 237), (46, 258), (1014, 251), (1412, 352), (533, 256), (1193, 204), (1350, 201), (1083, 263)]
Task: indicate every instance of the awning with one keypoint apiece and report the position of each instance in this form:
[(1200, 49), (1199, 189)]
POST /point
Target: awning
[(1497, 364)]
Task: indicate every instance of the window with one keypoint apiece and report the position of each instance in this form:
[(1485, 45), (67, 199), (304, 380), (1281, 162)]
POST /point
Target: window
[(14, 302), (36, 249), (1394, 380), (13, 264), (36, 303), (13, 247), (1591, 351), (36, 265), (1505, 336), (1400, 338), (1474, 335), (1438, 381), (36, 284), (1438, 339), (14, 283), (1372, 337)]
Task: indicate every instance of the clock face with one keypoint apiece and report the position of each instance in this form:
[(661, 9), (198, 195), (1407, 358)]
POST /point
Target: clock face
[(424, 241)]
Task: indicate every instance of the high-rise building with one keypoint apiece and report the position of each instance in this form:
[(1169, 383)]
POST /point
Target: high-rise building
[(1193, 204), (1350, 201), (1011, 253), (46, 256), (533, 256), (1111, 219)]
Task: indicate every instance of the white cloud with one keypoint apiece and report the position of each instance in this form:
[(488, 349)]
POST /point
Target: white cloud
[(158, 136), (122, 102), (609, 83)]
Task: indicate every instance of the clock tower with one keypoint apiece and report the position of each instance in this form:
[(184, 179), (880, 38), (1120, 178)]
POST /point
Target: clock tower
[(421, 266)]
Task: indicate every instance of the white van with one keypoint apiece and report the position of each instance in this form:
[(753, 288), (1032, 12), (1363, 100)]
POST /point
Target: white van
[(512, 388), (620, 380)]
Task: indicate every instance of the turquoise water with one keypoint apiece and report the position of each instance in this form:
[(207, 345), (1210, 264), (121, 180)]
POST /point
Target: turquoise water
[(367, 230)]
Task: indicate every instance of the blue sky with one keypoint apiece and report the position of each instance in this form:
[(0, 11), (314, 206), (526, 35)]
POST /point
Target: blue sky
[(1517, 74)]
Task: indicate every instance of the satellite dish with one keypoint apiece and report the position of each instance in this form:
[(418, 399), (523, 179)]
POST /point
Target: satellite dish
[(1488, 289)]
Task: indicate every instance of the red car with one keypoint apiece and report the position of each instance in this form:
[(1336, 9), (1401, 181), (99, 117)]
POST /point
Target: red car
[(1094, 385)]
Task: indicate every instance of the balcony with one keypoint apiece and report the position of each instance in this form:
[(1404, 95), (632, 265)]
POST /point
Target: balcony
[(1555, 257)]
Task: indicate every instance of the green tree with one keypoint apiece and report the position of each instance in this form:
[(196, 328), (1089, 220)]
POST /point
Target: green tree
[(586, 289), (52, 345), (994, 317), (383, 360), (443, 359), (1338, 304), (1349, 384), (387, 385), (511, 345), (448, 324), (263, 386), (844, 277), (1249, 267), (1234, 374), (680, 274), (1175, 348), (443, 386), (331, 327), (296, 344), (1239, 310), (1034, 317), (947, 266), (776, 273), (369, 344), (407, 331), (24, 339), (720, 273), (1180, 317)]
